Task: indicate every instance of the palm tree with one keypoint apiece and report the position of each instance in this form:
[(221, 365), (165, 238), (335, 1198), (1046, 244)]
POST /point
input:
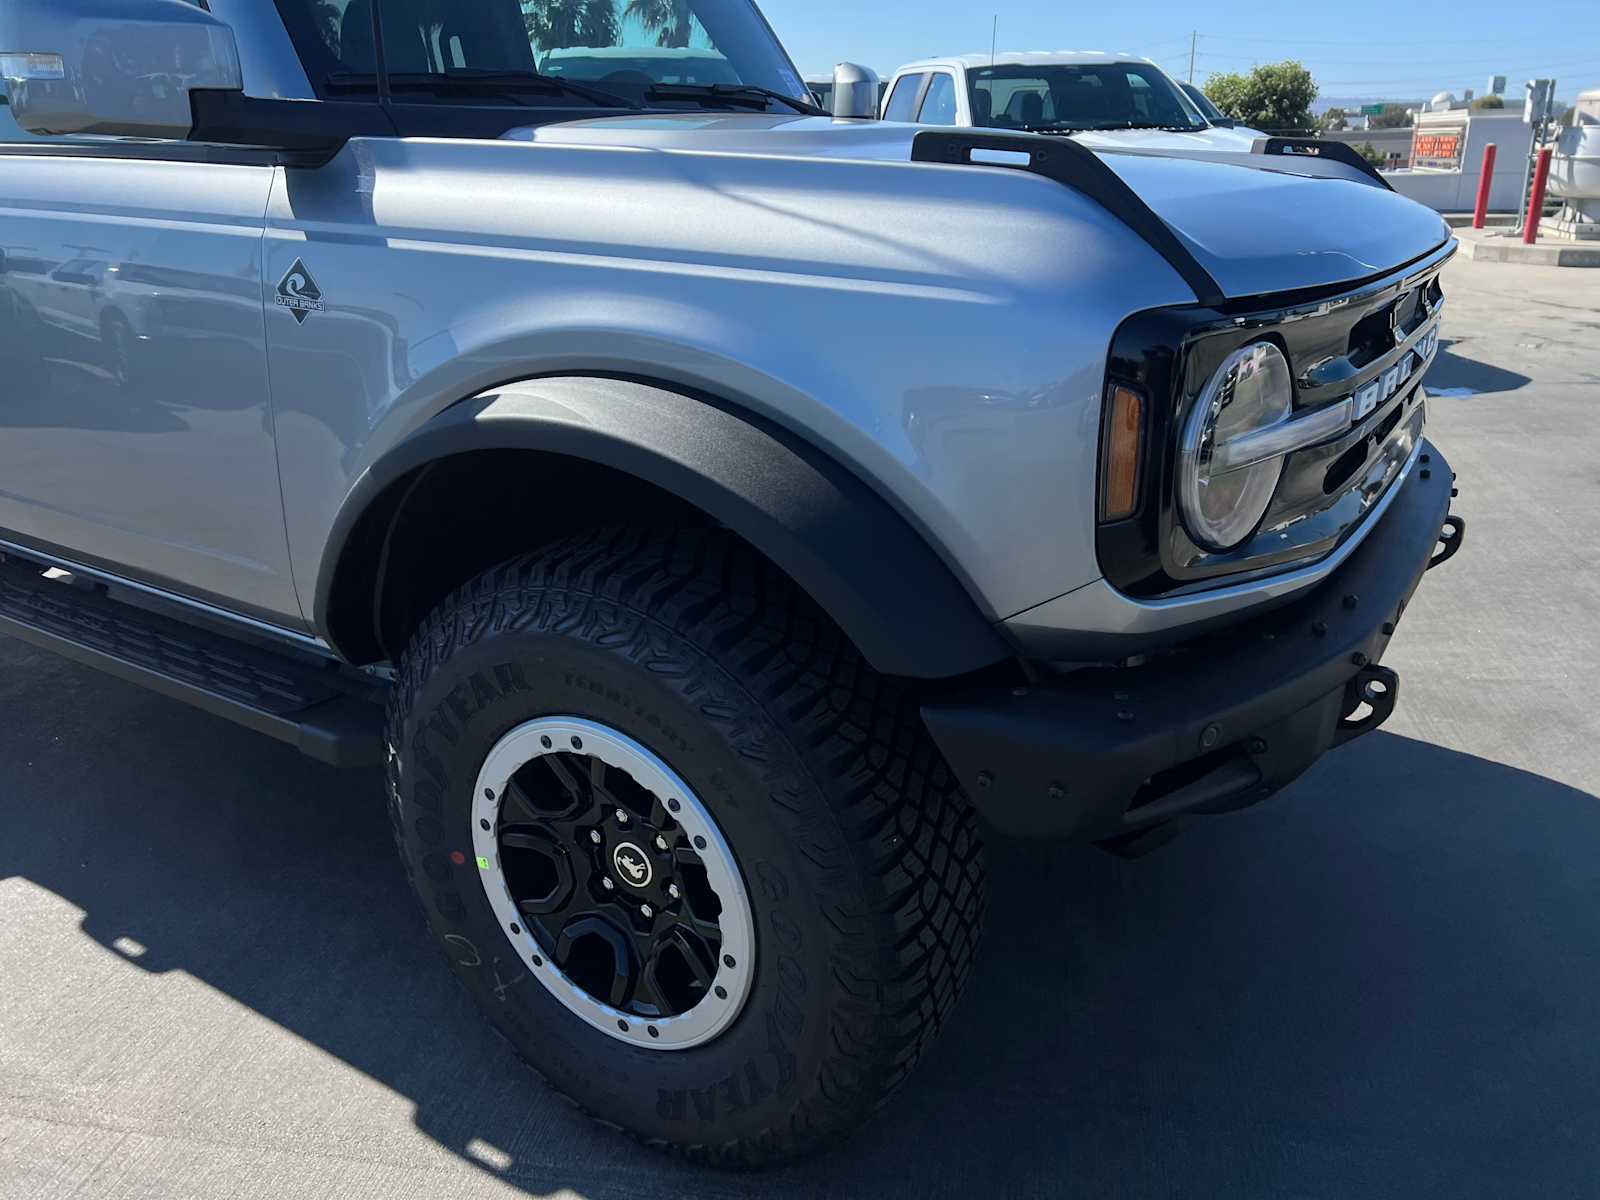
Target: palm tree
[(559, 23), (669, 20)]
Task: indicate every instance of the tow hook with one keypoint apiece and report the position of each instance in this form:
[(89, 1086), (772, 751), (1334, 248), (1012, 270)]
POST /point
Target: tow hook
[(1374, 688), (1450, 538)]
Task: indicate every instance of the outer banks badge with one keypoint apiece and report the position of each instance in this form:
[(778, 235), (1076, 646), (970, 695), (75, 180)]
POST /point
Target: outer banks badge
[(299, 293)]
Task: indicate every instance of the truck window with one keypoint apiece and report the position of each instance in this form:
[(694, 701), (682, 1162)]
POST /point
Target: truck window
[(903, 100), (1078, 96), (442, 50), (939, 106)]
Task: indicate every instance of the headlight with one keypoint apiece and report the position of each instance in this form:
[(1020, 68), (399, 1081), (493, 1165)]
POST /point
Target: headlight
[(1251, 391)]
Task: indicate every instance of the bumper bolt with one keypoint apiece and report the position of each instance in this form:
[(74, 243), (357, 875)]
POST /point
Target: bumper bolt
[(594, 836), (1209, 736), (1359, 659), (661, 843), (646, 911), (622, 817), (672, 890), (607, 884)]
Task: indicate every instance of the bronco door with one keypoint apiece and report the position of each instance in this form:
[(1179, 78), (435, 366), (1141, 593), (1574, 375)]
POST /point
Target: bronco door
[(135, 428)]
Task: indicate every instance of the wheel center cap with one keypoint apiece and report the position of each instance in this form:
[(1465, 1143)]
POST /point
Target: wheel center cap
[(632, 865)]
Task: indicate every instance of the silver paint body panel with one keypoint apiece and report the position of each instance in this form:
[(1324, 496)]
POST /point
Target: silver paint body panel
[(942, 331), (135, 425)]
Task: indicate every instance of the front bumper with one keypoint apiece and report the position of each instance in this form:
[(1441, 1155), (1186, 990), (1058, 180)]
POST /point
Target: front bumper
[(1113, 754)]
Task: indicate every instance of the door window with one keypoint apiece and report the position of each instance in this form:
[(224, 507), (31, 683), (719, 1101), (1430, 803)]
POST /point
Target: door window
[(903, 100), (939, 106)]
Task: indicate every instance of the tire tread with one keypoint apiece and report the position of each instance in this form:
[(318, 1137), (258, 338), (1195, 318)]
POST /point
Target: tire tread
[(898, 819)]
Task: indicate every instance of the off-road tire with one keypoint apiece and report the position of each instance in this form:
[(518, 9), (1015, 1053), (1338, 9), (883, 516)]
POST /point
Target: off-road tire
[(860, 855)]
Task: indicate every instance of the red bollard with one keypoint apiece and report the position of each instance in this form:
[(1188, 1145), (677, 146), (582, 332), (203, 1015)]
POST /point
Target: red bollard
[(1541, 175), (1481, 209)]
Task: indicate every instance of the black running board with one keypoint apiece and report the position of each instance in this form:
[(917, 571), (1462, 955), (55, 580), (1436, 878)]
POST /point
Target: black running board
[(317, 707)]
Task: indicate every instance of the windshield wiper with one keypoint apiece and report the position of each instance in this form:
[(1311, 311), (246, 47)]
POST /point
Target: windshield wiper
[(1110, 127), (730, 93), (465, 81)]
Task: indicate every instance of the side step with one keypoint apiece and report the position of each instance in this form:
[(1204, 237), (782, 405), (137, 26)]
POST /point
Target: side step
[(316, 706)]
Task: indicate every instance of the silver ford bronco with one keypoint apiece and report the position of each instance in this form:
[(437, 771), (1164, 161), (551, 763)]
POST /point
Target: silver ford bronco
[(708, 511)]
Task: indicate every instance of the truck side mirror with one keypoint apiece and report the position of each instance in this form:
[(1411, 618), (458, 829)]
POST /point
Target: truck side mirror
[(112, 67), (855, 93)]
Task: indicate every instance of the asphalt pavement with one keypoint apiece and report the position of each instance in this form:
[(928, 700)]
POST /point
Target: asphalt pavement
[(1382, 983)]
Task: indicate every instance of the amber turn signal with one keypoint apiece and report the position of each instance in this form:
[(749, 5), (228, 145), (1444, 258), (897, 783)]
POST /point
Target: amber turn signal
[(1119, 468)]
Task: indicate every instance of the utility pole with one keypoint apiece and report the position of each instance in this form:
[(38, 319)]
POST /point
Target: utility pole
[(994, 37), (1193, 38)]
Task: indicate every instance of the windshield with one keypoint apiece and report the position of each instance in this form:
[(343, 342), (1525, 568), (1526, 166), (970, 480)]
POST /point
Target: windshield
[(452, 49), (1127, 95), (1202, 101)]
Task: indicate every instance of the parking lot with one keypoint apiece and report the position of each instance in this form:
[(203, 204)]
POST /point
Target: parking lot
[(1382, 983)]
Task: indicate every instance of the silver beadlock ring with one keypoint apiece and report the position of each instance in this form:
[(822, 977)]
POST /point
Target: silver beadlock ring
[(577, 735)]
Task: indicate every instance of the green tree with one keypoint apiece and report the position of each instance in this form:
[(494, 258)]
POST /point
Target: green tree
[(557, 23), (1372, 154), (1491, 101), (1335, 119), (670, 20), (1276, 97), (1393, 116)]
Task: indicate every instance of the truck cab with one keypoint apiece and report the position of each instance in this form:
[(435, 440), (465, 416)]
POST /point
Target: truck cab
[(1101, 99)]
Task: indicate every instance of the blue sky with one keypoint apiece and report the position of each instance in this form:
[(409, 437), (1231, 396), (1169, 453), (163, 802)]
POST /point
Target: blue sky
[(1354, 48)]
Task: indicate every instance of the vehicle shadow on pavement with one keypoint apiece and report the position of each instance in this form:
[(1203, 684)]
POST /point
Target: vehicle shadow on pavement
[(1381, 983), (1467, 376)]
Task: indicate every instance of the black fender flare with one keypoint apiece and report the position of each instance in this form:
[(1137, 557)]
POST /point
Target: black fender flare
[(837, 538)]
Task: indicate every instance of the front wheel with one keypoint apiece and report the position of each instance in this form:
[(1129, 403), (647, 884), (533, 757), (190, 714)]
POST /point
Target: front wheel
[(700, 865)]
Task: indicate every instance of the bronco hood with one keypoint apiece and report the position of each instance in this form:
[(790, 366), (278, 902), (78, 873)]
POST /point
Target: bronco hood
[(1256, 224)]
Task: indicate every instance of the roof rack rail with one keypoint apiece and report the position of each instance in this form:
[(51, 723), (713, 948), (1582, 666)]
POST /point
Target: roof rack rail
[(1341, 152), (1081, 169)]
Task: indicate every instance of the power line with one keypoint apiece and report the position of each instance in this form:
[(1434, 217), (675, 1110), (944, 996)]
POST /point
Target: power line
[(1484, 64), (1431, 42)]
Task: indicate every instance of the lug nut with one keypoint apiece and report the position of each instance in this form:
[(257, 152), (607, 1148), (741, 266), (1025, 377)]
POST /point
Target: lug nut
[(622, 817), (594, 836), (661, 843), (646, 911), (672, 890), (606, 883)]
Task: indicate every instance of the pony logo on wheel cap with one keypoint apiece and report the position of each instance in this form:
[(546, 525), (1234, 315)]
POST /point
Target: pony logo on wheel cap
[(632, 865)]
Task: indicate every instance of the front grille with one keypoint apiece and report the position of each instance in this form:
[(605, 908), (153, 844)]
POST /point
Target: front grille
[(1371, 343)]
